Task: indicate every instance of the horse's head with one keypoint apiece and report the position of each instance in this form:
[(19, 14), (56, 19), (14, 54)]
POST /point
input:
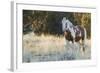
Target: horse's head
[(64, 24), (68, 29)]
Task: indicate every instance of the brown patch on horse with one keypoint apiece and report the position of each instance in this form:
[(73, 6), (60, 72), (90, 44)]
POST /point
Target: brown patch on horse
[(68, 36)]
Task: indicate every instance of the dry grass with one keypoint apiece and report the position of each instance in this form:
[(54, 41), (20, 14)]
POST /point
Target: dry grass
[(50, 48), (43, 43)]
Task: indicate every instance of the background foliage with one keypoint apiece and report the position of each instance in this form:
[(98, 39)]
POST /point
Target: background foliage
[(49, 22)]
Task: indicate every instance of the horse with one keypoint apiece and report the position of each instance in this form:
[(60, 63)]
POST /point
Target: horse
[(74, 33)]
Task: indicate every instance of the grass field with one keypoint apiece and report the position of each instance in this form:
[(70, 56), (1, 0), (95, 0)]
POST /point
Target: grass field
[(52, 48)]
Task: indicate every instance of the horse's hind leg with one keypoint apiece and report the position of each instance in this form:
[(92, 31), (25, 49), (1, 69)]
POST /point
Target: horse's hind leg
[(84, 40), (83, 45)]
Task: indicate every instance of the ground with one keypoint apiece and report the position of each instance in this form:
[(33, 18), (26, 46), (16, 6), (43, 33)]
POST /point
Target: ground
[(52, 48)]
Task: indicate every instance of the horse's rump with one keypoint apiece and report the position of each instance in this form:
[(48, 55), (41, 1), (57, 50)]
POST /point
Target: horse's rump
[(80, 33)]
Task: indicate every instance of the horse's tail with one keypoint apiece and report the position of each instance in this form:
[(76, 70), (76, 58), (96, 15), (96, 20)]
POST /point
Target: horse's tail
[(84, 40), (85, 34)]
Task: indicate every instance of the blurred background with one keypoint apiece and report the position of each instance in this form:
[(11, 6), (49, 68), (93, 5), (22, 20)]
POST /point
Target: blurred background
[(49, 22)]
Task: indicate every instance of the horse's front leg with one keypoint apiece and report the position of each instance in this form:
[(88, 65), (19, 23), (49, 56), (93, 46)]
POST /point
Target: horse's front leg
[(66, 39), (73, 41)]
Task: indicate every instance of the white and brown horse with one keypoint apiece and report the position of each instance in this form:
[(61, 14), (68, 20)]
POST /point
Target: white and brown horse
[(74, 33)]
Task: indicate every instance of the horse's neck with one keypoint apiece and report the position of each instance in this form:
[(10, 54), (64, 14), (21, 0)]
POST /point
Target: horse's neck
[(69, 23)]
